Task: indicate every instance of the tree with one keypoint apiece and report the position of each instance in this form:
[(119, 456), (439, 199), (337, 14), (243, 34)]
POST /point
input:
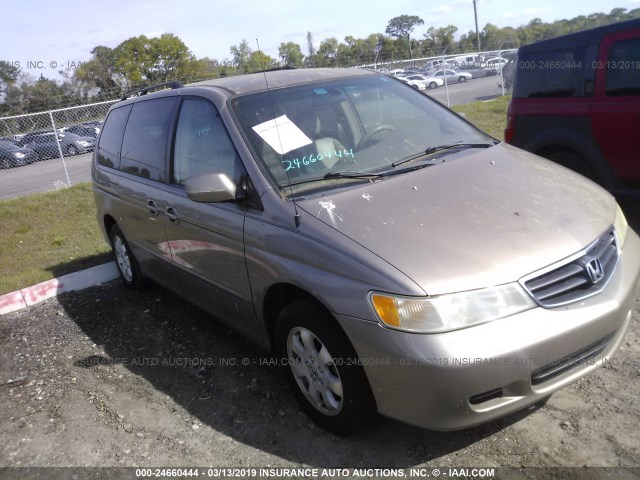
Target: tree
[(402, 26), (260, 61), (100, 71), (290, 54), (241, 56), (170, 56), (310, 50), (133, 61), (8, 75), (328, 52)]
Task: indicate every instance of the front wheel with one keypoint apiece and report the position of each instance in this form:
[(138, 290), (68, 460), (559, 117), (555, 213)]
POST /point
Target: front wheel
[(433, 85), (462, 79), (323, 369), (127, 264)]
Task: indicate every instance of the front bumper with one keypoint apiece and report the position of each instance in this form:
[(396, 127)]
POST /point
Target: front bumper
[(463, 378)]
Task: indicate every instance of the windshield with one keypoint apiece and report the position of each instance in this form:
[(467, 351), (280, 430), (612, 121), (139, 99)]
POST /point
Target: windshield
[(356, 125)]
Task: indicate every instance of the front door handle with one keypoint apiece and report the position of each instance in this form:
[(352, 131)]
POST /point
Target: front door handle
[(172, 215), (153, 208)]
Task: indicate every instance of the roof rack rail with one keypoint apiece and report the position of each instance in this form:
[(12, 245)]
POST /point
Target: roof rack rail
[(276, 69), (145, 90)]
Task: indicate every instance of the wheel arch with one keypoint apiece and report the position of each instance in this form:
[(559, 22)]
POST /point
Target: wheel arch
[(280, 295), (567, 141), (108, 222)]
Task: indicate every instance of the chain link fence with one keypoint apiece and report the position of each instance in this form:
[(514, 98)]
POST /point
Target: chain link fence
[(52, 149)]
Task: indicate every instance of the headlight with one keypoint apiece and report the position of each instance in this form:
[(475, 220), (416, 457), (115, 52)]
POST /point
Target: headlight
[(82, 143), (19, 155), (449, 312), (621, 226)]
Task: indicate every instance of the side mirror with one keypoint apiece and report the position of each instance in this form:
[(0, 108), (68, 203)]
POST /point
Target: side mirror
[(210, 187)]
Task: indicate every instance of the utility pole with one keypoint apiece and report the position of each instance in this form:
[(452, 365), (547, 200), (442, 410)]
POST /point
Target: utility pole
[(475, 13)]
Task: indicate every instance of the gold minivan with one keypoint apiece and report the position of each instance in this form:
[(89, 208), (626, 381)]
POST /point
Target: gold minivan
[(394, 258)]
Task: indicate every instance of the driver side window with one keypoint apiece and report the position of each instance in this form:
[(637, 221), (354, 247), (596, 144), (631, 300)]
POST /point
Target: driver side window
[(202, 144)]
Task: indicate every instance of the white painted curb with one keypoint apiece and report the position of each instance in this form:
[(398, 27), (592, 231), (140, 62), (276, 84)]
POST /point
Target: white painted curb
[(10, 302)]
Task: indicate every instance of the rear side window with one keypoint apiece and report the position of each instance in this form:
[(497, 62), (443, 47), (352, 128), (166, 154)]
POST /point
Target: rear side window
[(556, 73), (111, 139), (623, 68), (202, 144), (145, 139)]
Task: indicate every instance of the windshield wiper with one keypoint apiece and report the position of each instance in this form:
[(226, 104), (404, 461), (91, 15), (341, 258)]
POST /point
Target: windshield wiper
[(336, 175), (352, 175), (438, 148)]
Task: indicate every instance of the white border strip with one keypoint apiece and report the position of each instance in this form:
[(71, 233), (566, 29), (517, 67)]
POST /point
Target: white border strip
[(11, 302)]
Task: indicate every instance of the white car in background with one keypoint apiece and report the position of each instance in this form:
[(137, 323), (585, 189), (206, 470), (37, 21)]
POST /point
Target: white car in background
[(496, 63), (452, 75), (422, 82)]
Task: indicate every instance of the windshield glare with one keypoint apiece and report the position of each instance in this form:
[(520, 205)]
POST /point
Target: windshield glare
[(354, 125)]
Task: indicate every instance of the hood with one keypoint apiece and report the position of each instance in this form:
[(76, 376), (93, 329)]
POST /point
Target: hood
[(481, 218)]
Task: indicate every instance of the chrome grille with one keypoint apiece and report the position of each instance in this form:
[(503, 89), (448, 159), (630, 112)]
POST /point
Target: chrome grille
[(584, 275)]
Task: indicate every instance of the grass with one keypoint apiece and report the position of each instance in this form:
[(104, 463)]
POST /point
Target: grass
[(490, 116), (46, 235)]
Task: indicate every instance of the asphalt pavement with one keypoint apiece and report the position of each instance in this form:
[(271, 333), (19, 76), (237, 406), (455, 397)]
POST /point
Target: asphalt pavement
[(44, 176), (479, 89)]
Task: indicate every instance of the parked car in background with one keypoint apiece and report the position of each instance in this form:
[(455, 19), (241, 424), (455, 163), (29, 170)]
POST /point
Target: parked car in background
[(94, 123), (495, 63), (12, 155), (452, 75), (84, 130), (468, 61), (23, 139), (480, 72), (576, 101), (437, 64), (392, 256), (421, 82), (46, 146)]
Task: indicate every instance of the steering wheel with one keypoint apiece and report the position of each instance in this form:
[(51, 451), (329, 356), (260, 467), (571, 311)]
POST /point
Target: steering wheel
[(369, 135)]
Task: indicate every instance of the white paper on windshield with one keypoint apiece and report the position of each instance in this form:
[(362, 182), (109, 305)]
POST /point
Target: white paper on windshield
[(282, 134)]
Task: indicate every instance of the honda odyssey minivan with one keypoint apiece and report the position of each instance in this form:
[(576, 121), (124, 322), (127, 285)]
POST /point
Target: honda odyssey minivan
[(394, 258)]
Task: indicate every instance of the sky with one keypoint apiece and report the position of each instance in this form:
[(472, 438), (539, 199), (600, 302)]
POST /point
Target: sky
[(44, 36)]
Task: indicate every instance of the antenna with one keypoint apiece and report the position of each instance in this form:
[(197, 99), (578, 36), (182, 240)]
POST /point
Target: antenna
[(273, 111)]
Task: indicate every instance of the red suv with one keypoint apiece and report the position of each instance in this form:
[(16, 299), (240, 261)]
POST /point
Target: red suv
[(576, 101)]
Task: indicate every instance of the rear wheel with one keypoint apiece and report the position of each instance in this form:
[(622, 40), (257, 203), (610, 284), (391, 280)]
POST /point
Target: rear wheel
[(462, 79), (433, 85), (127, 264), (572, 161), (72, 150), (322, 368)]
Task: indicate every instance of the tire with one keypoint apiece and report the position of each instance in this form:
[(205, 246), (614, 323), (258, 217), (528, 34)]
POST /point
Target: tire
[(462, 79), (322, 370), (572, 161), (128, 266), (71, 150), (433, 85)]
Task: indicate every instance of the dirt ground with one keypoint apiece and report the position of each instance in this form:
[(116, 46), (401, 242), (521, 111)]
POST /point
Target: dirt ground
[(109, 377)]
